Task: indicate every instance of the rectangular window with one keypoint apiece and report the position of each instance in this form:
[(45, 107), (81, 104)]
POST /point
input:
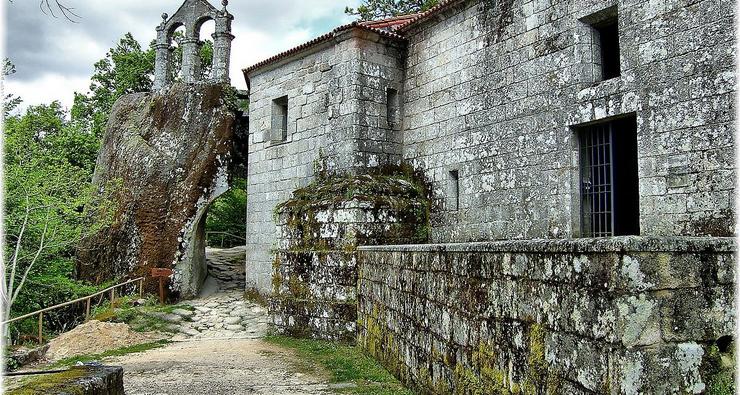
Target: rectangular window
[(279, 132), (605, 43), (454, 191), (608, 32), (609, 180), (392, 108)]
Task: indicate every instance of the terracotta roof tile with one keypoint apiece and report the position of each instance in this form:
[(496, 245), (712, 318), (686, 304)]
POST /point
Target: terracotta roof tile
[(319, 40), (389, 27), (422, 16)]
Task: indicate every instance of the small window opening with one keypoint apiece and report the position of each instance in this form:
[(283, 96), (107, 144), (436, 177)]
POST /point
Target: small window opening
[(609, 179), (392, 107), (605, 43), (454, 195), (608, 32), (280, 119)]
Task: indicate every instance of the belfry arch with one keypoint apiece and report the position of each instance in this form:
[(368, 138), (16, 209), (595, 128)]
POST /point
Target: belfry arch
[(192, 15)]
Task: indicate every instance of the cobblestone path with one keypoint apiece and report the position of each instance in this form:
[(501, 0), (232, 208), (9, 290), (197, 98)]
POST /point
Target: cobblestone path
[(222, 315), (219, 351)]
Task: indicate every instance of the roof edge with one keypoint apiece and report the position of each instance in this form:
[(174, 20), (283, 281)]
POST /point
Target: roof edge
[(319, 40), (424, 16)]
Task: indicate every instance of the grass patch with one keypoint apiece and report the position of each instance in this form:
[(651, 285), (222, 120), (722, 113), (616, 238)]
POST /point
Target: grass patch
[(142, 318), (112, 353), (346, 364)]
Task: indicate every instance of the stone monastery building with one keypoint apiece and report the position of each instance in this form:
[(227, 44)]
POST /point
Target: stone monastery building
[(531, 119), (491, 197)]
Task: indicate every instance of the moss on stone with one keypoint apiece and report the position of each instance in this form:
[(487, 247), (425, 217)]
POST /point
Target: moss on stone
[(66, 382)]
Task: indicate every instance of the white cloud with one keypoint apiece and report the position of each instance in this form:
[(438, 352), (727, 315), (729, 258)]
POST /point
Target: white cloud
[(55, 57)]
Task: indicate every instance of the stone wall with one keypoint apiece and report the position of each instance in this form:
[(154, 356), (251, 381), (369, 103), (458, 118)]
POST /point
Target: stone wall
[(314, 280), (494, 89), (336, 123), (625, 315), (83, 380)]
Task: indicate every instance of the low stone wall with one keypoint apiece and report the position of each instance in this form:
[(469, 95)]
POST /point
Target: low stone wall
[(315, 268), (623, 315), (82, 380), (227, 266)]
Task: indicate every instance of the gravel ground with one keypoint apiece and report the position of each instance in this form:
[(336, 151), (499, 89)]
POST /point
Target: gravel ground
[(215, 367)]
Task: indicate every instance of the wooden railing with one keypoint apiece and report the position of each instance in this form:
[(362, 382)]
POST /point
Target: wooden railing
[(223, 236), (85, 299)]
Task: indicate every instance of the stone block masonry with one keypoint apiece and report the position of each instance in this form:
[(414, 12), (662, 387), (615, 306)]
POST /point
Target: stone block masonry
[(626, 315), (495, 90), (315, 267)]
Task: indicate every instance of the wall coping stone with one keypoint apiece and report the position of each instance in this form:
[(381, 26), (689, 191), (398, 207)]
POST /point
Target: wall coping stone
[(584, 245)]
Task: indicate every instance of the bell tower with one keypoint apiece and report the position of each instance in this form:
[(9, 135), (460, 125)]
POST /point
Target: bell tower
[(191, 15)]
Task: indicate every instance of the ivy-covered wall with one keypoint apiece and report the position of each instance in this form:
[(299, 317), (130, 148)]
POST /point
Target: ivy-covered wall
[(315, 268), (625, 315)]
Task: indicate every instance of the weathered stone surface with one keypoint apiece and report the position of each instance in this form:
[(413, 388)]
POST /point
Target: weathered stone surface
[(83, 380), (315, 267), (597, 315), (495, 90), (170, 152)]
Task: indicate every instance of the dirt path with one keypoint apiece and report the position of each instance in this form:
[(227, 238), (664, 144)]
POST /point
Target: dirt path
[(218, 351), (214, 367)]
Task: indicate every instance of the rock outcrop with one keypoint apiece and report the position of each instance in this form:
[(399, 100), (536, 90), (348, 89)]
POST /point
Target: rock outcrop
[(168, 153)]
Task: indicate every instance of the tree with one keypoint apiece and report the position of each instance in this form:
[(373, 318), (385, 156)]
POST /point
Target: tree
[(379, 9), (126, 68), (49, 202), (10, 101), (227, 216)]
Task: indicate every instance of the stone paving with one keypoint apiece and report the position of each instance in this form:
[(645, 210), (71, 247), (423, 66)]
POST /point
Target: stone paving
[(222, 315)]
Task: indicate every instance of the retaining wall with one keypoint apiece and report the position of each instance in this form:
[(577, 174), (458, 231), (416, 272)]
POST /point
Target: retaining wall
[(623, 315)]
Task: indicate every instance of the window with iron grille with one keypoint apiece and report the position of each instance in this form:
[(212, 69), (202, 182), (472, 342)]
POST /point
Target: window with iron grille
[(609, 181)]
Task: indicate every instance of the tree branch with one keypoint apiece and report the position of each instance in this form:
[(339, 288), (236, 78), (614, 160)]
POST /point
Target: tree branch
[(35, 258), (14, 261), (48, 6)]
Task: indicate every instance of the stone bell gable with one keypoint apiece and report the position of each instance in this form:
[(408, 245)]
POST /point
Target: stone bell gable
[(192, 15)]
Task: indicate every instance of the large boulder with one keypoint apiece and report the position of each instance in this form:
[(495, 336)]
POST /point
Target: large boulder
[(168, 154)]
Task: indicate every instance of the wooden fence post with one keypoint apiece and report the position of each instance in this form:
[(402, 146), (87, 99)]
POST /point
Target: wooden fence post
[(41, 325), (112, 296), (87, 310), (141, 288)]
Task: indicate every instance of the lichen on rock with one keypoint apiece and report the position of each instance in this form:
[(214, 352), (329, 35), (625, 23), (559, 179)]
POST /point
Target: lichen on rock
[(172, 152)]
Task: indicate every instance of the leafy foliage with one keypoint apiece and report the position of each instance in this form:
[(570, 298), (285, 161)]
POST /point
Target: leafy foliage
[(127, 68), (49, 200), (379, 9), (227, 217), (10, 101)]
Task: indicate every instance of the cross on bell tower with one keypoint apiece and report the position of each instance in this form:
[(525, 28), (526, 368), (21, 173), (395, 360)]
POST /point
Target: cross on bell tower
[(191, 15)]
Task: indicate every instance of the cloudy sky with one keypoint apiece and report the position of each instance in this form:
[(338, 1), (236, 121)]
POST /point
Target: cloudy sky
[(55, 57)]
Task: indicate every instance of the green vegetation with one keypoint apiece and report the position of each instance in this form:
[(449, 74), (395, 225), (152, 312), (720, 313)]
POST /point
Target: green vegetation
[(66, 362), (59, 383), (719, 368), (226, 223), (144, 318), (127, 68), (50, 201), (378, 9), (345, 363)]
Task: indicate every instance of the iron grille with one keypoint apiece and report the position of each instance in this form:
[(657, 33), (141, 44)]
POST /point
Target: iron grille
[(597, 174)]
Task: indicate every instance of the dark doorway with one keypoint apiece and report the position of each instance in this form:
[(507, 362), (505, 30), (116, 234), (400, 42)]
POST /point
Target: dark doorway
[(610, 201)]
